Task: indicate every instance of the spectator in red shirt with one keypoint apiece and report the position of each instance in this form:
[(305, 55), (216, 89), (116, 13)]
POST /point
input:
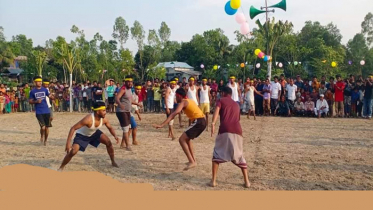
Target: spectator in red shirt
[(339, 97)]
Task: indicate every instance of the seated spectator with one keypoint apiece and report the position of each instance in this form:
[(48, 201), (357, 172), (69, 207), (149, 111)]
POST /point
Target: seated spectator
[(282, 108), (299, 108), (309, 107), (322, 107), (303, 95)]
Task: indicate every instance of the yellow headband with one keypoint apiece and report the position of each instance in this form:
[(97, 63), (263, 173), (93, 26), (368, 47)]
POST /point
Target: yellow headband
[(205, 80), (232, 77), (99, 108), (47, 83), (173, 82), (138, 87), (191, 79), (38, 80), (128, 79)]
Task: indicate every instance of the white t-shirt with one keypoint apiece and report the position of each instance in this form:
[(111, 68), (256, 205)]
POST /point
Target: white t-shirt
[(291, 92), (275, 88)]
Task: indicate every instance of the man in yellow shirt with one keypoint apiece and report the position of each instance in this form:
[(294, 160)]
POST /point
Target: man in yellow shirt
[(193, 112)]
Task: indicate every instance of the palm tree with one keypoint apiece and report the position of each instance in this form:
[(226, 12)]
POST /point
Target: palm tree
[(272, 31)]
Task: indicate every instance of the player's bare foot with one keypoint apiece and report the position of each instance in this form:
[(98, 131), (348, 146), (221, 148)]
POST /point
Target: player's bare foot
[(190, 166), (254, 118), (135, 143), (129, 149), (213, 184), (173, 138), (247, 185), (114, 164), (45, 143)]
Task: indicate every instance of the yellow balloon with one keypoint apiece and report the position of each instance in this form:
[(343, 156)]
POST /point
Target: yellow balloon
[(235, 4), (242, 65), (215, 67), (334, 64), (257, 51)]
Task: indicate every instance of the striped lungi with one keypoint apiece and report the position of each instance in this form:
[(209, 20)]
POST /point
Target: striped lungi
[(229, 148)]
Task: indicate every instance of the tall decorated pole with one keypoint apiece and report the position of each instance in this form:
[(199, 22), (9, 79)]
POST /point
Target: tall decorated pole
[(254, 12)]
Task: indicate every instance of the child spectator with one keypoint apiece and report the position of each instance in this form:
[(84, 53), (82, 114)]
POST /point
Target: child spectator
[(330, 99), (309, 107), (299, 108), (322, 89)]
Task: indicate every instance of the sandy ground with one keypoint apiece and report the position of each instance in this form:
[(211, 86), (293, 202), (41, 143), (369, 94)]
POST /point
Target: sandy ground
[(282, 153)]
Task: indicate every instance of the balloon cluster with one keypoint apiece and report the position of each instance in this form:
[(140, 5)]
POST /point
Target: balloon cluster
[(231, 8), (261, 55)]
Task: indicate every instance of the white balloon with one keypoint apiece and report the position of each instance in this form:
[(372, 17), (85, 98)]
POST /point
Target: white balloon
[(245, 29), (257, 65), (362, 62), (276, 63), (280, 65), (202, 66)]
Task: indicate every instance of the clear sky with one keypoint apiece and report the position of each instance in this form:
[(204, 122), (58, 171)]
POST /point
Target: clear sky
[(45, 19)]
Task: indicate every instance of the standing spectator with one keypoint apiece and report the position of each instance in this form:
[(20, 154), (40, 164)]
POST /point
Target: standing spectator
[(322, 89), (89, 97), (267, 98), (291, 90), (314, 95), (259, 98), (330, 99), (322, 107), (163, 93), (355, 97), (157, 97), (220, 88), (214, 85), (361, 98), (347, 98), (76, 97), (27, 90), (339, 88), (97, 92), (143, 97), (213, 101), (150, 96), (275, 93), (368, 98), (315, 84), (299, 107), (283, 85), (110, 94), (309, 107), (299, 82), (330, 85), (2, 102)]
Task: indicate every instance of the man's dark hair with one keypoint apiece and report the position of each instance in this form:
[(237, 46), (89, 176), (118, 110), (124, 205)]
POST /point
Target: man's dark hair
[(181, 92), (323, 83), (98, 104), (130, 77), (94, 81), (227, 90), (331, 78), (338, 76), (282, 75), (276, 77), (45, 80)]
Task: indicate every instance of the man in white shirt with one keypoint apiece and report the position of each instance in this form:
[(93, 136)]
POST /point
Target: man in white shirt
[(275, 94), (322, 107), (291, 89)]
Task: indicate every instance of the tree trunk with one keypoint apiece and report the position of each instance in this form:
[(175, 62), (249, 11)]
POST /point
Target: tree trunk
[(71, 93), (269, 71)]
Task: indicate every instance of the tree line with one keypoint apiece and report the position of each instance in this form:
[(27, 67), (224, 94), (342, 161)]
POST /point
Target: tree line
[(308, 52)]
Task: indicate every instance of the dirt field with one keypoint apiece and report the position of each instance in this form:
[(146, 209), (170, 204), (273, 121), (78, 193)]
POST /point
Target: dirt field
[(282, 154)]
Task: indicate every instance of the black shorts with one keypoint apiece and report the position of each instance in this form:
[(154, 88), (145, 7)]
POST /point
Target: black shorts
[(196, 128), (83, 141), (171, 110), (44, 120), (111, 100), (124, 118)]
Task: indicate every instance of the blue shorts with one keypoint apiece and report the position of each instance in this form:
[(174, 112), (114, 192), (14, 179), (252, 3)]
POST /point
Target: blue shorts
[(133, 123), (175, 106), (83, 141)]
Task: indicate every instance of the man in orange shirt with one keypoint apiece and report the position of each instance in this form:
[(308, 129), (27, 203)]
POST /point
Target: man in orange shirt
[(339, 96), (2, 88), (194, 114)]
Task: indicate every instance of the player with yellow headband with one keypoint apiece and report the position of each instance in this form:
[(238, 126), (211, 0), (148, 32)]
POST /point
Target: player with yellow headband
[(204, 100), (88, 132), (38, 97), (192, 92), (236, 90)]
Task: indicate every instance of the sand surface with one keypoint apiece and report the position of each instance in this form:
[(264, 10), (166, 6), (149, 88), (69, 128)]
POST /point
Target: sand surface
[(282, 153)]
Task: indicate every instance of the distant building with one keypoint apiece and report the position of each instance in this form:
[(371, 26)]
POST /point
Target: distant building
[(14, 72), (179, 70)]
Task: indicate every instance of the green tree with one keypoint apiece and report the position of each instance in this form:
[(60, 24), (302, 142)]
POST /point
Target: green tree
[(367, 27), (164, 33), (138, 34), (39, 59), (121, 31)]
